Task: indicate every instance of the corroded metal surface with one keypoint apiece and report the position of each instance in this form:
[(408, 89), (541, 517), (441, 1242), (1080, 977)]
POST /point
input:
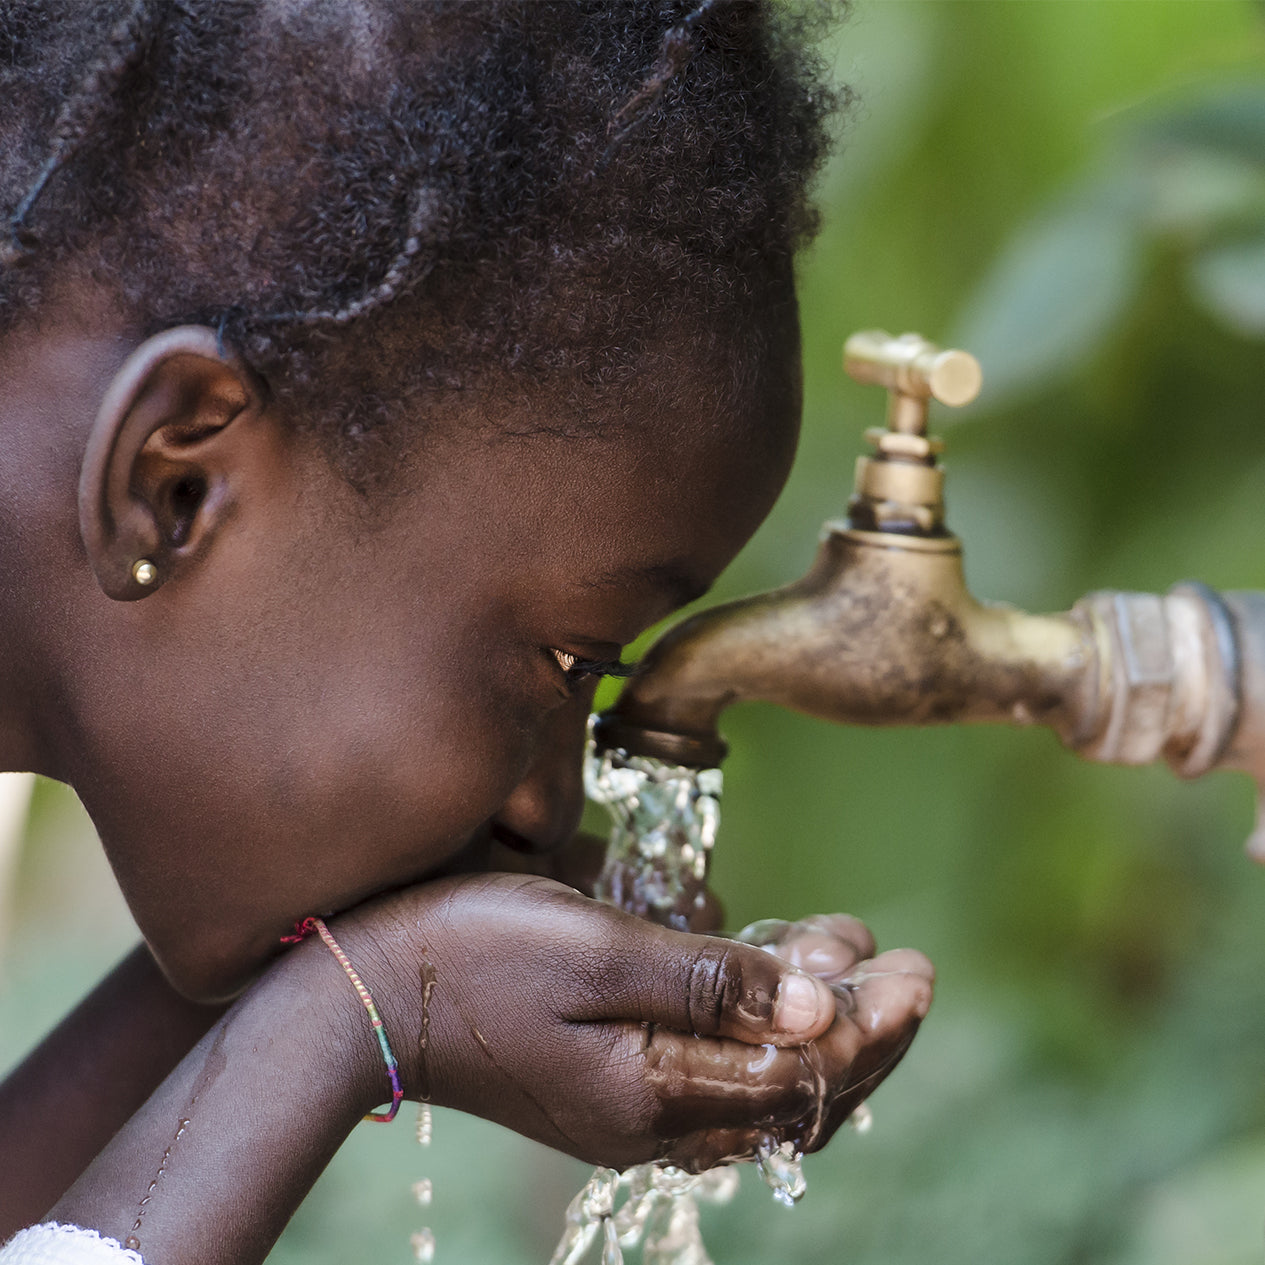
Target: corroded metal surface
[(882, 631)]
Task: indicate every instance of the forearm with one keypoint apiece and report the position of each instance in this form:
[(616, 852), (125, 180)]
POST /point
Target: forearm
[(213, 1165), (69, 1097), (515, 998)]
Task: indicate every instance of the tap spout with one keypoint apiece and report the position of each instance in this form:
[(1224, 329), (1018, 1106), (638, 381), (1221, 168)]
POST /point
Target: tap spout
[(881, 631)]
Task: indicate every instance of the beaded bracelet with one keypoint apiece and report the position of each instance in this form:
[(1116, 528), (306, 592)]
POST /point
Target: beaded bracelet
[(304, 929)]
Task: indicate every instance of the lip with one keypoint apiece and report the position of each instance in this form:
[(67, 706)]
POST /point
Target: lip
[(512, 839)]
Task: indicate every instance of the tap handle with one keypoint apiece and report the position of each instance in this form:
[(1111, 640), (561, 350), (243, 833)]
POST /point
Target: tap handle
[(912, 366)]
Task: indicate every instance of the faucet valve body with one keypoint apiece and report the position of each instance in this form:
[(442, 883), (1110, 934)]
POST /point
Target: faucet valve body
[(883, 630)]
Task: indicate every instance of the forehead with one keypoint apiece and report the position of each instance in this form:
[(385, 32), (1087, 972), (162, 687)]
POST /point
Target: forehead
[(652, 499)]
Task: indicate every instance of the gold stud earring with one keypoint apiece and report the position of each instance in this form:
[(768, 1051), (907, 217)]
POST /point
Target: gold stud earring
[(144, 572)]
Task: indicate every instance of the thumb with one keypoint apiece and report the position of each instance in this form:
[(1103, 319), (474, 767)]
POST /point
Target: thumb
[(705, 985)]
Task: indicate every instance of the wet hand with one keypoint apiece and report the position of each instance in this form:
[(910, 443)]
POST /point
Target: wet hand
[(880, 1002), (604, 1036)]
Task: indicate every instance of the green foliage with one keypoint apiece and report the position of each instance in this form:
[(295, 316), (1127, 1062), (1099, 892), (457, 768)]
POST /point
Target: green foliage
[(1076, 193), (1185, 179)]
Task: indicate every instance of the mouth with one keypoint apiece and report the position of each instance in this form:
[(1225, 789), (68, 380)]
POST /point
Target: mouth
[(512, 839)]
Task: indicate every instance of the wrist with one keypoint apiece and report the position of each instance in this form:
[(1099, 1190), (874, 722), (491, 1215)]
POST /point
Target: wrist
[(340, 1024), (379, 1011)]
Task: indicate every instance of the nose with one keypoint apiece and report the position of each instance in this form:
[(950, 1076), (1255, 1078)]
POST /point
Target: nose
[(543, 811)]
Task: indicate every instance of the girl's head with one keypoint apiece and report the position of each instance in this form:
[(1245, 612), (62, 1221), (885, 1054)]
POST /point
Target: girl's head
[(411, 345)]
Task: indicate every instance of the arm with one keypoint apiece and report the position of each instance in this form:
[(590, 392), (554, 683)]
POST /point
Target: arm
[(70, 1095), (65, 1101), (556, 1016)]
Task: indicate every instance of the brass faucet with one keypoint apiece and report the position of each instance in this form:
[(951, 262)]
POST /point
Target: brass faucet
[(882, 629)]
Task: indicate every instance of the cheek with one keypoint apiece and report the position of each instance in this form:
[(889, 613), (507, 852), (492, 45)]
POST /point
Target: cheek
[(405, 766), (304, 782), (396, 712), (318, 737)]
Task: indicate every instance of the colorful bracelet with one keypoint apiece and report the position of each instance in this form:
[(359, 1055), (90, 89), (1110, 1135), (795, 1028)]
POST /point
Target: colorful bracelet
[(304, 929)]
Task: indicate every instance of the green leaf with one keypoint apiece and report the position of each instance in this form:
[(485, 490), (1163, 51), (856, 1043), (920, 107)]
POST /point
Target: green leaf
[(1229, 280), (1054, 294), (1228, 120), (1196, 194)]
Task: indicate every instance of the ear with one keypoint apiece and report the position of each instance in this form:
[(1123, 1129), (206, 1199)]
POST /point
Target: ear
[(156, 482)]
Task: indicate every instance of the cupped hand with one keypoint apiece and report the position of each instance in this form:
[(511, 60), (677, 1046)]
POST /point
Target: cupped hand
[(879, 1002), (609, 1038)]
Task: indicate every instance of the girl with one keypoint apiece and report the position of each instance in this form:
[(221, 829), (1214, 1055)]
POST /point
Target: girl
[(374, 373)]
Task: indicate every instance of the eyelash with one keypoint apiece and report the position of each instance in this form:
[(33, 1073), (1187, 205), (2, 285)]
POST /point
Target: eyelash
[(578, 670)]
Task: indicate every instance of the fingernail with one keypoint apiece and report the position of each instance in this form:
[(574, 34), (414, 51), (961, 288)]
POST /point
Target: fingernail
[(801, 1003)]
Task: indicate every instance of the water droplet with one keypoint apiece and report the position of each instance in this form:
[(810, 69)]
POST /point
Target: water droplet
[(782, 1170), (597, 1199), (423, 1243), (718, 1185), (423, 1191), (132, 1242), (862, 1119), (424, 1124)]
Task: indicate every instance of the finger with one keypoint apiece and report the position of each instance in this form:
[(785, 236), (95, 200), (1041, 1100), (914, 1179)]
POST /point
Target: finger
[(719, 1099), (898, 981), (715, 1098), (827, 947), (844, 927), (713, 1083), (879, 1013), (877, 1003), (699, 984)]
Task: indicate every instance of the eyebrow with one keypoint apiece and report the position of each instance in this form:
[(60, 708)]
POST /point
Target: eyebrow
[(673, 578)]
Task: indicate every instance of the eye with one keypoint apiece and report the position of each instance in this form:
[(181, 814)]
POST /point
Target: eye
[(578, 670)]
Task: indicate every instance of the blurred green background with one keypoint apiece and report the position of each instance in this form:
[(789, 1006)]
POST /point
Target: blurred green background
[(1075, 190)]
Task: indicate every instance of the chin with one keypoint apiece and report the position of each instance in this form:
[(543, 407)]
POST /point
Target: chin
[(213, 969)]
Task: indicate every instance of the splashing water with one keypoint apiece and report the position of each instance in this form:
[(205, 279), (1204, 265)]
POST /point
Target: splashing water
[(782, 1171), (659, 1211), (663, 827), (664, 820), (423, 1241)]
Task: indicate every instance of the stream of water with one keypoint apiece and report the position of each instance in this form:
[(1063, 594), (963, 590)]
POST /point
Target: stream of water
[(664, 820)]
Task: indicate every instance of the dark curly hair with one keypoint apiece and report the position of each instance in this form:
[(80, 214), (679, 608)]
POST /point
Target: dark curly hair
[(383, 201)]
